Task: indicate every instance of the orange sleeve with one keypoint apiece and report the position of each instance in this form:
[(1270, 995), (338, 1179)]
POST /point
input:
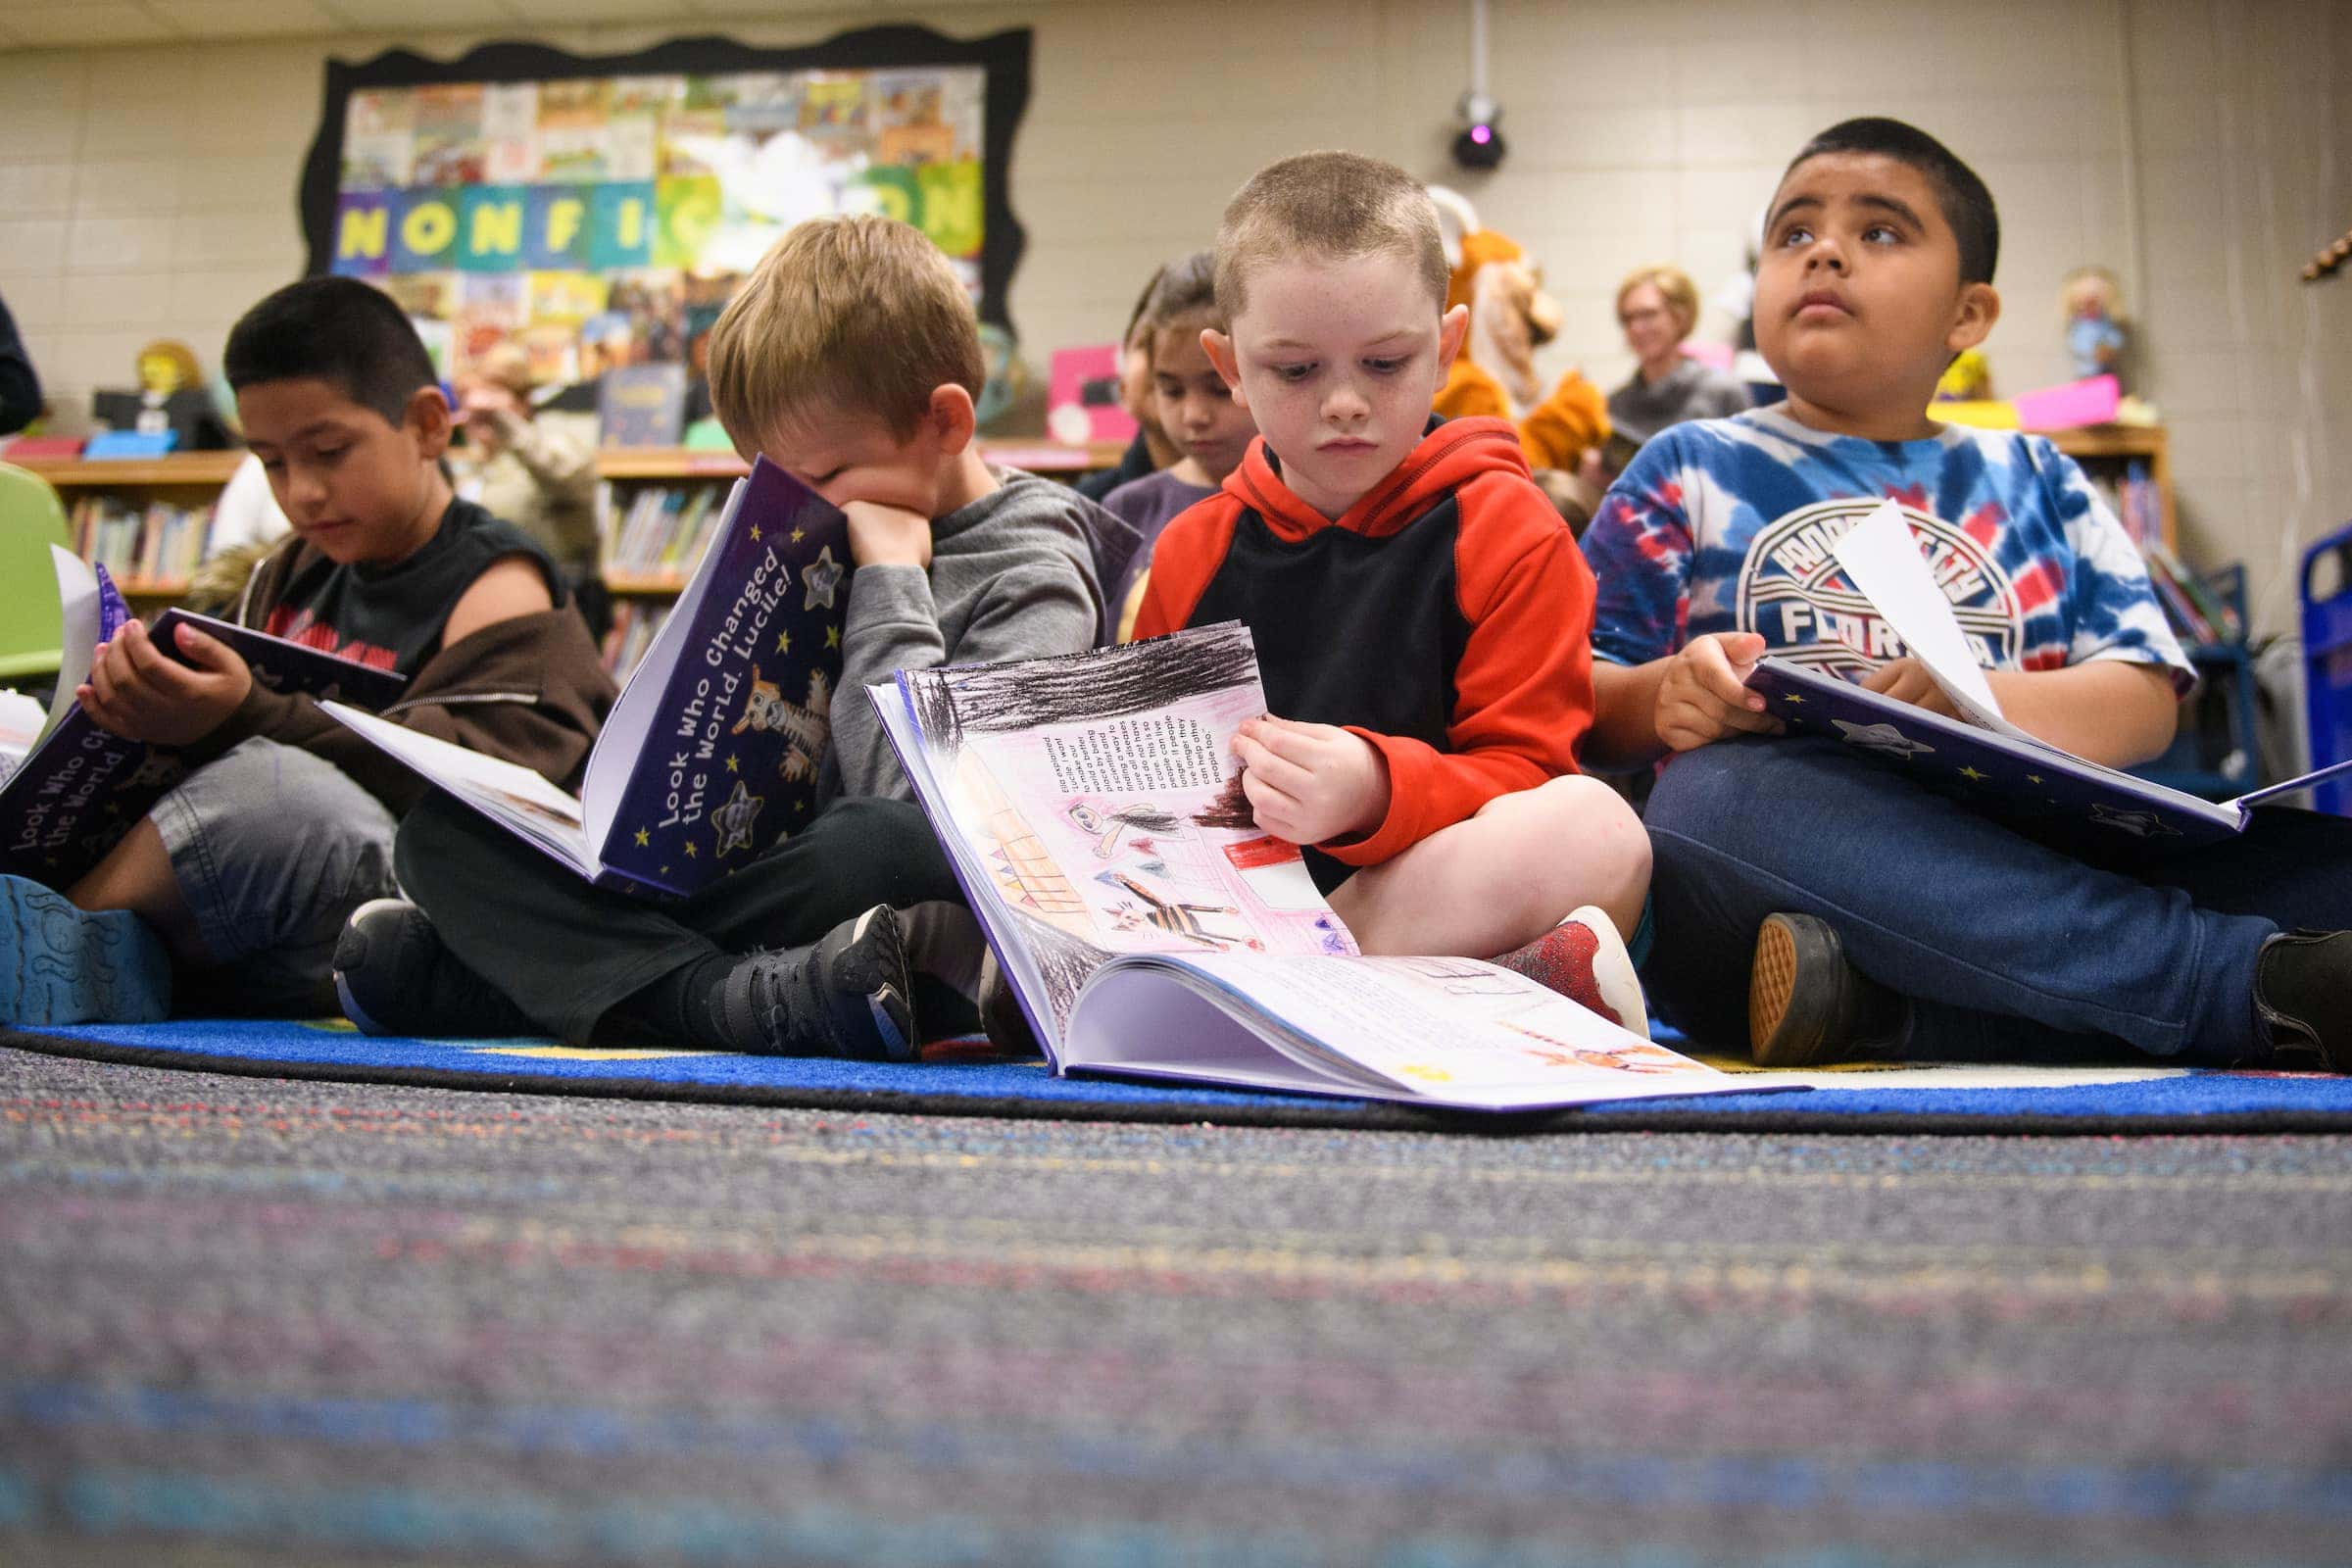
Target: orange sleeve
[(1185, 557), (1524, 688)]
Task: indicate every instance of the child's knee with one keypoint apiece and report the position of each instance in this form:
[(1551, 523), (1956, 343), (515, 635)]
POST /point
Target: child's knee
[(1580, 808), (1605, 829), (1579, 836)]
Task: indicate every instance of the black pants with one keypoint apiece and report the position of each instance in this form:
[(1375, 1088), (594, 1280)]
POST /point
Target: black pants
[(566, 951)]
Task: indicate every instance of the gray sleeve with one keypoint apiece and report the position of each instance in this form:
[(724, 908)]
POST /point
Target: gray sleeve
[(1036, 610)]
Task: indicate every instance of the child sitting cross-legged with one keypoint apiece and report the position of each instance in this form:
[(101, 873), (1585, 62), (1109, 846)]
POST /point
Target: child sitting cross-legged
[(851, 359), (1806, 896), (1420, 611), (235, 886)]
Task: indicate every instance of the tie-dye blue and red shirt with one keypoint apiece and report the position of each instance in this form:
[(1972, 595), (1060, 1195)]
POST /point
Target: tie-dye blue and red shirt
[(1726, 525)]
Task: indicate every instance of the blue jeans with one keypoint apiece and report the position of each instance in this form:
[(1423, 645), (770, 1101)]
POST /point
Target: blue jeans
[(2006, 946)]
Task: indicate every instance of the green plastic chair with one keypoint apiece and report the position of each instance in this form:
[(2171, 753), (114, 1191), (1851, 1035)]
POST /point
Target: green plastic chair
[(31, 624)]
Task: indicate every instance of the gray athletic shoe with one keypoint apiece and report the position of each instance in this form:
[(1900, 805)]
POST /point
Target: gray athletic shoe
[(849, 996)]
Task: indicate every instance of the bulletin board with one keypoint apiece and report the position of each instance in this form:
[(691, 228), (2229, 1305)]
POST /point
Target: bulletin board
[(600, 211)]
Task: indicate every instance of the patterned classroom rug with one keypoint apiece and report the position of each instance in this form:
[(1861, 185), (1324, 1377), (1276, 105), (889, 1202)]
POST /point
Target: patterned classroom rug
[(961, 1078)]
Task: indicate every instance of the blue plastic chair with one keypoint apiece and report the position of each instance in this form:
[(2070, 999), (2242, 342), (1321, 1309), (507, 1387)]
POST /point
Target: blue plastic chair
[(32, 622), (2327, 667)]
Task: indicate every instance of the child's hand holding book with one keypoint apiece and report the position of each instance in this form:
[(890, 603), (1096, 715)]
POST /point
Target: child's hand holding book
[(1703, 696), (141, 693), (1907, 681), (1311, 783)]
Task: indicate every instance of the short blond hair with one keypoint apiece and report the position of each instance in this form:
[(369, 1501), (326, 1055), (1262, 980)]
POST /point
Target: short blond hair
[(1336, 205), (859, 315), (1673, 284)]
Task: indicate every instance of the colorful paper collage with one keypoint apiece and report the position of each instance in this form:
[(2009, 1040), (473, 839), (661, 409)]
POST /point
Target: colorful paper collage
[(605, 220)]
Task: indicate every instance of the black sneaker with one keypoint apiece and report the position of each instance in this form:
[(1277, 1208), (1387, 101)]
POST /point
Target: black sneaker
[(394, 976), (1805, 1003), (2303, 993), (845, 996)]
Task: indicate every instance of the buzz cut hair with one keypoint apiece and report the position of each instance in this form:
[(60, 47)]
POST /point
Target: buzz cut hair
[(860, 317), (1333, 206), (340, 330), (1966, 202)]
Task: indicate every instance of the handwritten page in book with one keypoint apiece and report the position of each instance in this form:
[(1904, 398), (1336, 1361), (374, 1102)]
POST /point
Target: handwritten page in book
[(1127, 832), (1883, 560)]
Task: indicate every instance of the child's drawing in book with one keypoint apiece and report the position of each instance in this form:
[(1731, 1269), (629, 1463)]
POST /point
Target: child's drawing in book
[(1148, 926), (1100, 799)]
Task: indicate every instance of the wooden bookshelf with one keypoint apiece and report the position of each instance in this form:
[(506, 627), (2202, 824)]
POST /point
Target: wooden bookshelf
[(208, 471), (2108, 448), (642, 586), (174, 470), (683, 463)]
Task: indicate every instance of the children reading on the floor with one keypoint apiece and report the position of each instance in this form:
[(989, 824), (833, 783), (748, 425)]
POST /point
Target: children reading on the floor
[(249, 867), (851, 359), (1405, 579), (1196, 408), (1878, 914)]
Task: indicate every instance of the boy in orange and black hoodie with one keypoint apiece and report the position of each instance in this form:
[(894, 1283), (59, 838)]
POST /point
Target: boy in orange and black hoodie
[(1423, 618)]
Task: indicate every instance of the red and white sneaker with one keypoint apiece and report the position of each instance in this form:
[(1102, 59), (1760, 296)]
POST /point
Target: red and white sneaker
[(1584, 959)]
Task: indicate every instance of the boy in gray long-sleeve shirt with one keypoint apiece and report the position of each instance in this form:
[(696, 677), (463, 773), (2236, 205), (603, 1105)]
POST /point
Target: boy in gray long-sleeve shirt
[(852, 360)]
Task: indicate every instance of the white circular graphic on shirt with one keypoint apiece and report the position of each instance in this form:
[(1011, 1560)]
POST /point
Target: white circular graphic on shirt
[(1793, 591)]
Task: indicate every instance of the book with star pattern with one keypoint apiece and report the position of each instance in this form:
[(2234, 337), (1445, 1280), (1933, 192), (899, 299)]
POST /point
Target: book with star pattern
[(81, 788), (2024, 782), (711, 754)]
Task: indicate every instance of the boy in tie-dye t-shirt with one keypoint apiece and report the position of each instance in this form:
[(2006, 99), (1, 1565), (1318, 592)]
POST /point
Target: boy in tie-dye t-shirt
[(1807, 897), (1726, 525)]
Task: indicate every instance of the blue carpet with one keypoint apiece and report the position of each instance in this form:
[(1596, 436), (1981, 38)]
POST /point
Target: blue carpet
[(2127, 1095)]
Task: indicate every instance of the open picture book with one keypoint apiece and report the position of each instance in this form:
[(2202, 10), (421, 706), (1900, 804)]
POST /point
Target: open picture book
[(79, 789), (710, 754), (1981, 758), (1094, 813)]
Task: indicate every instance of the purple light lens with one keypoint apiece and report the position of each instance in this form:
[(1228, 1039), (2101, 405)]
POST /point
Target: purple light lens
[(1480, 134)]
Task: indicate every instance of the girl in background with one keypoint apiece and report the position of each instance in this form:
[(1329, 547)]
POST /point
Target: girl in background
[(1151, 449), (1195, 410)]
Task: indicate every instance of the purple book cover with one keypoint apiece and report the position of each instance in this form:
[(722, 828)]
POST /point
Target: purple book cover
[(114, 610), (81, 788), (2047, 792), (724, 724)]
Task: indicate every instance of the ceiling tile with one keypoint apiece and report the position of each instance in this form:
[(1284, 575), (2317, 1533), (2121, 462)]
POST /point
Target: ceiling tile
[(243, 19), (565, 13), (87, 23), (414, 16)]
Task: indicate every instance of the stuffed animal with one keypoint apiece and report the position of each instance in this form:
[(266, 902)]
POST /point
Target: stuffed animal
[(1510, 317), (2091, 303)]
